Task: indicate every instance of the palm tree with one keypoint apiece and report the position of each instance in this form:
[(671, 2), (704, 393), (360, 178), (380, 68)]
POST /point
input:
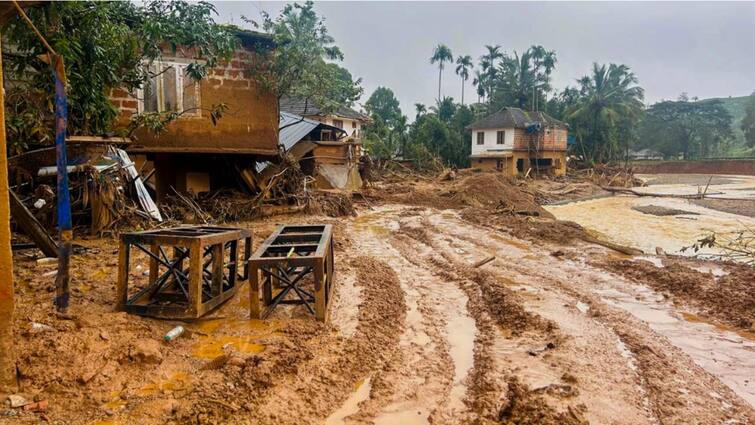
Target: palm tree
[(421, 110), (489, 67), (523, 78), (610, 99), (479, 82), (463, 65), (441, 55)]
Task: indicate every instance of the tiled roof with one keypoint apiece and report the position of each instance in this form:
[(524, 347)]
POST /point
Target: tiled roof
[(307, 108), (516, 118)]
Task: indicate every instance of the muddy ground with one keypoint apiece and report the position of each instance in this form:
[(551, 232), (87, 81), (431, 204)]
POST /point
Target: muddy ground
[(555, 330)]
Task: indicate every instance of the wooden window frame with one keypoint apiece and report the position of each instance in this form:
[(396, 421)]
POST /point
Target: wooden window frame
[(180, 67), (500, 137), (480, 138)]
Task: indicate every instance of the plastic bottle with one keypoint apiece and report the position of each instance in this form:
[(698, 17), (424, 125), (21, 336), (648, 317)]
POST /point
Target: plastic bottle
[(173, 333)]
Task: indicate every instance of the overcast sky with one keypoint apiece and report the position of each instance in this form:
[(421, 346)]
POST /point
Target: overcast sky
[(704, 49)]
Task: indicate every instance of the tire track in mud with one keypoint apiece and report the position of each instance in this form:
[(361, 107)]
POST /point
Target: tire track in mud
[(334, 365), (429, 383), (675, 389), (519, 404)]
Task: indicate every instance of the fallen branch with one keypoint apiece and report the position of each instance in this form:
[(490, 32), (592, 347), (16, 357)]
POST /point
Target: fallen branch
[(483, 261), (628, 191)]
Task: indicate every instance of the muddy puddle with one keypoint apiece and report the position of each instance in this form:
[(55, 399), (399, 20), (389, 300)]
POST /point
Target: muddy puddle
[(351, 405), (726, 354), (616, 219)]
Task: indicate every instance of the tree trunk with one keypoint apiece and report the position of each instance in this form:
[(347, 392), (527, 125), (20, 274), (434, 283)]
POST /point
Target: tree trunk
[(462, 91), (440, 76), (7, 353)]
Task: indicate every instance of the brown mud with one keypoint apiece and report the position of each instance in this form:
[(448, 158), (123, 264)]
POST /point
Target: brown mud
[(553, 331)]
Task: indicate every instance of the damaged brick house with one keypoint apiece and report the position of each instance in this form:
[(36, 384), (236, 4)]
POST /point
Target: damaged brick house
[(514, 141), (192, 153)]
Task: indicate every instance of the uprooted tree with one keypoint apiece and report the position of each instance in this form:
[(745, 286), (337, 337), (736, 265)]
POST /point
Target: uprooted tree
[(105, 45)]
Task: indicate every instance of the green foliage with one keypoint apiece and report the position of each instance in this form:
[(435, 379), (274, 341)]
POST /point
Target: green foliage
[(463, 66), (485, 78), (441, 55), (748, 122), (385, 137), (523, 81), (105, 45), (606, 114), (435, 134), (691, 129), (300, 66)]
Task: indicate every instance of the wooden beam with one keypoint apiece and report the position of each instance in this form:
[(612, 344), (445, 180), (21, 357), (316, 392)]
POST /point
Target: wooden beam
[(32, 227), (7, 353)]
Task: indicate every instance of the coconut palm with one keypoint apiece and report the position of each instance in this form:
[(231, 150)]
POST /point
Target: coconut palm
[(441, 55), (463, 65), (610, 100)]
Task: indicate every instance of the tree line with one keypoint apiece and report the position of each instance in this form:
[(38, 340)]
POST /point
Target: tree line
[(605, 111)]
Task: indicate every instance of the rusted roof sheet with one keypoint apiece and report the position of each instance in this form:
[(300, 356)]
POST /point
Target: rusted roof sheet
[(516, 118)]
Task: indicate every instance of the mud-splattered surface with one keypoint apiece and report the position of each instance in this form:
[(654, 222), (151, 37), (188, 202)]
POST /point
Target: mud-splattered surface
[(546, 333)]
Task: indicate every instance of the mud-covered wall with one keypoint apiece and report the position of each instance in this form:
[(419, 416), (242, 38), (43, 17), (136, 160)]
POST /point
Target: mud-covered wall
[(249, 126), (721, 166)]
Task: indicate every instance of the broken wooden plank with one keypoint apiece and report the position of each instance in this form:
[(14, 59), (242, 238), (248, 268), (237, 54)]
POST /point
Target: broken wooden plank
[(32, 227), (483, 261)]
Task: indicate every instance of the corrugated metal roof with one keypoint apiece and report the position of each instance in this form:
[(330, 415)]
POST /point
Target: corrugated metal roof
[(292, 128)]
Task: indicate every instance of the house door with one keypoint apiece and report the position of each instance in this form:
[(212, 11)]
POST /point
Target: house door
[(500, 164)]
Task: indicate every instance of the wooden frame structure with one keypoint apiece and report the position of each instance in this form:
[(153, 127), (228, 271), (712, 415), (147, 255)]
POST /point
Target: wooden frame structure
[(283, 260), (173, 290)]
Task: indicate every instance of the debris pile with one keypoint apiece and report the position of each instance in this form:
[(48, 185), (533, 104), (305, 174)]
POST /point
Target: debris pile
[(106, 190), (611, 175)]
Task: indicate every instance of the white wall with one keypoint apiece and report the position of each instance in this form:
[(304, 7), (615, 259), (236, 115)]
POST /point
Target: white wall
[(490, 140), (351, 126)]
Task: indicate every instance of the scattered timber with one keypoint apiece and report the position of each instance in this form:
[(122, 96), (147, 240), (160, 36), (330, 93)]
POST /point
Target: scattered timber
[(32, 227), (628, 191)]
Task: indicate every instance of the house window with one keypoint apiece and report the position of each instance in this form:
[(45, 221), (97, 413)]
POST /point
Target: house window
[(480, 138), (338, 123), (354, 124), (500, 137), (169, 89)]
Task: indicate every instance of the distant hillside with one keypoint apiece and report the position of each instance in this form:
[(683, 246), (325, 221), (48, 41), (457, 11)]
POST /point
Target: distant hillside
[(736, 107)]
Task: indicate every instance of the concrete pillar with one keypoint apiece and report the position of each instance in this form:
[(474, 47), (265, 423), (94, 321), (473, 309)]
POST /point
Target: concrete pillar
[(7, 354)]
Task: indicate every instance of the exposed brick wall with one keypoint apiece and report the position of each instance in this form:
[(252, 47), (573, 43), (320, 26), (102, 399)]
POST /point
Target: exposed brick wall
[(125, 102), (550, 139)]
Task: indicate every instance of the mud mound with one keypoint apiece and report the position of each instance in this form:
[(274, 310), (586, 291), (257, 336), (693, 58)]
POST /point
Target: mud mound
[(557, 231), (491, 192), (497, 192), (525, 407), (661, 211), (729, 298)]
